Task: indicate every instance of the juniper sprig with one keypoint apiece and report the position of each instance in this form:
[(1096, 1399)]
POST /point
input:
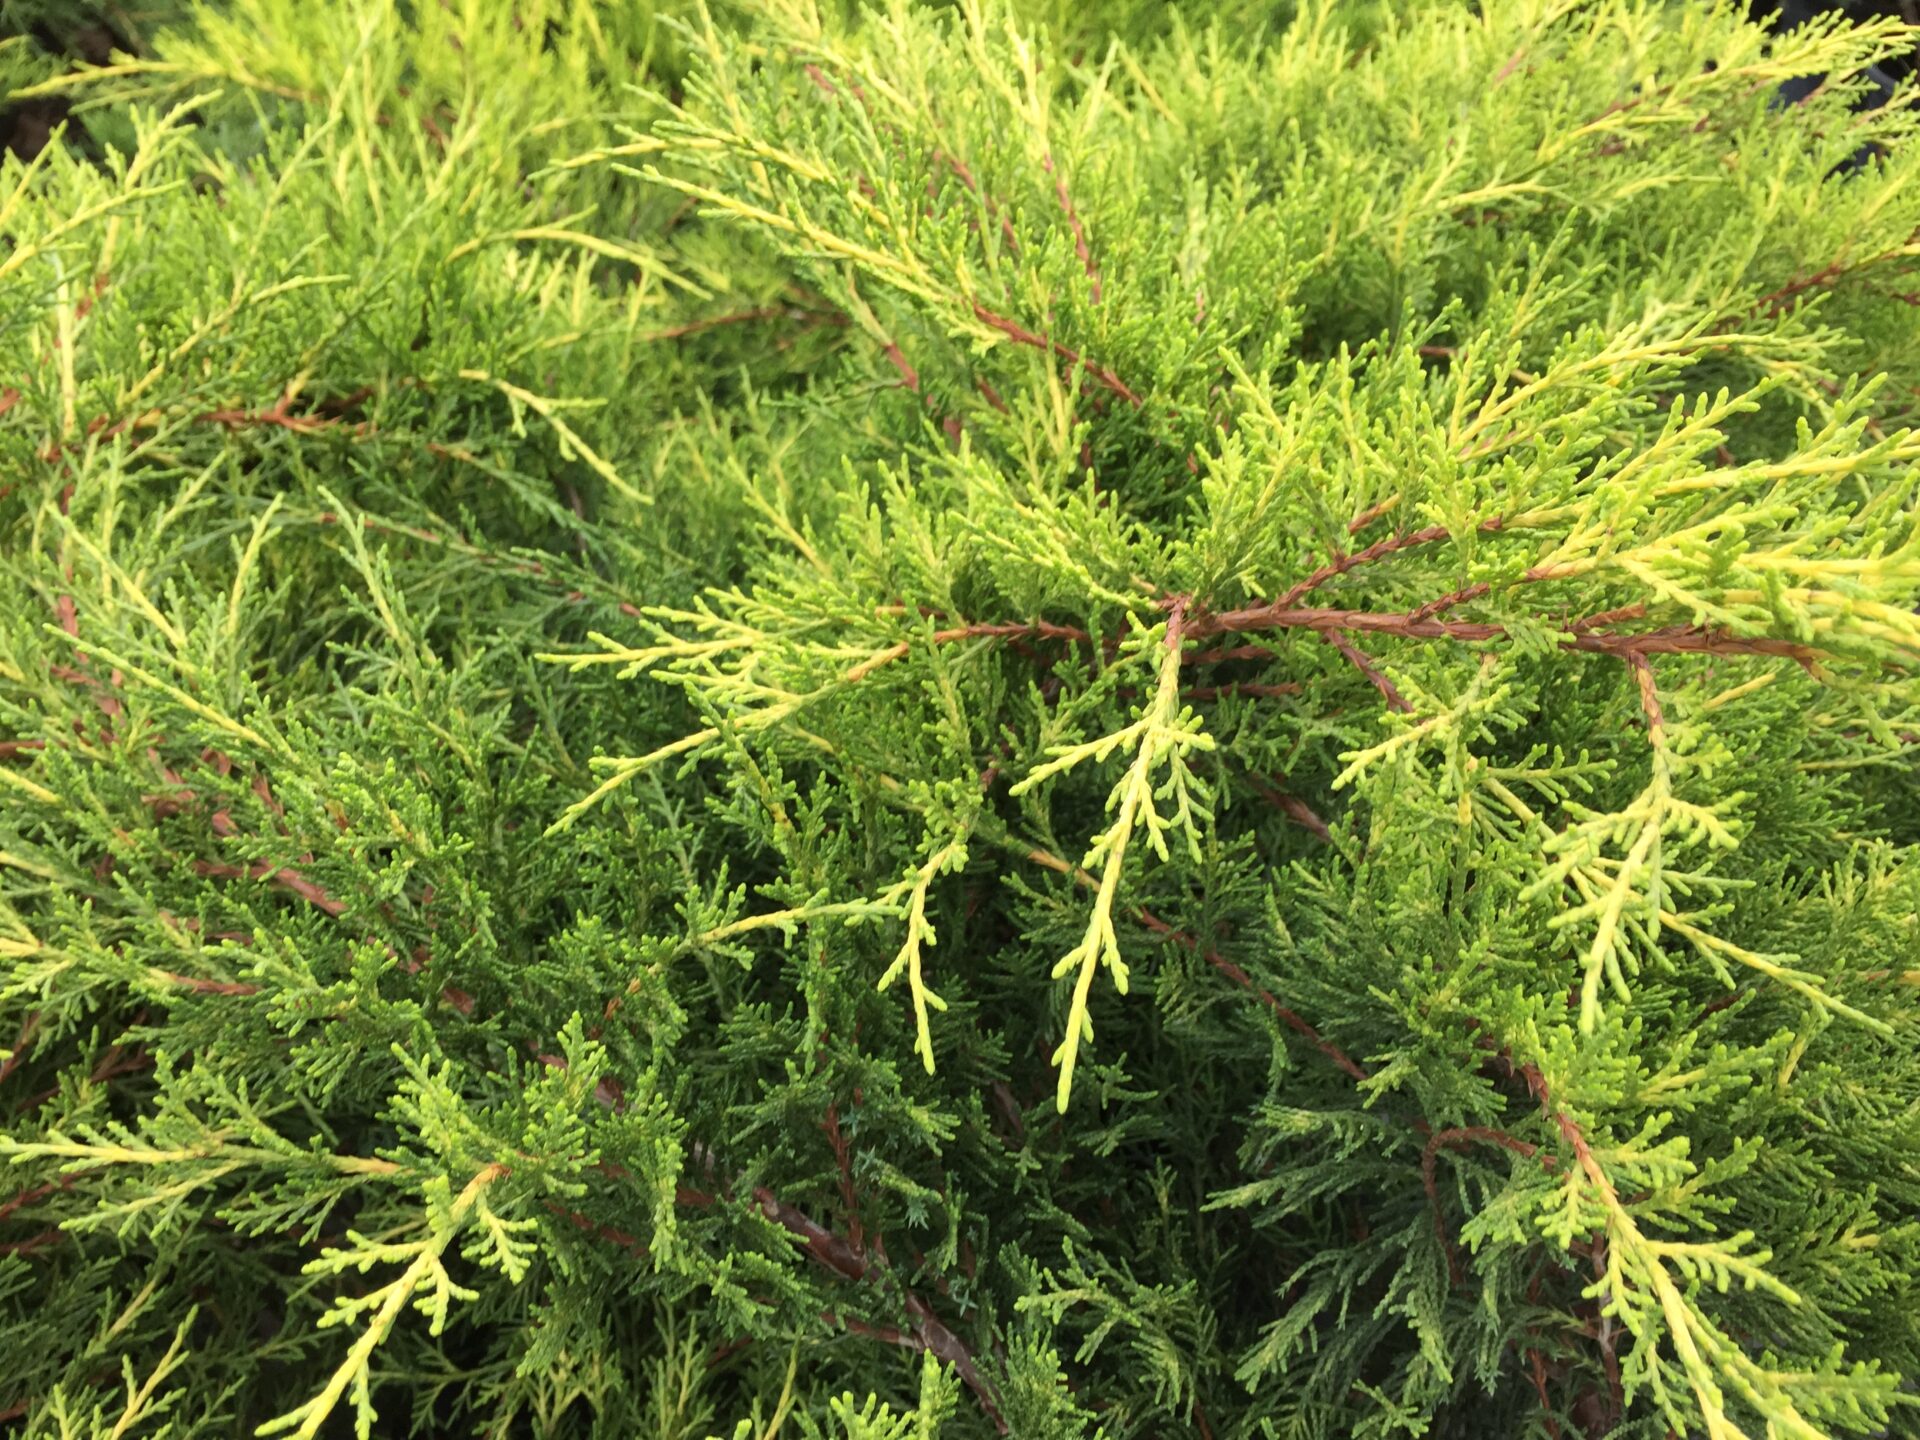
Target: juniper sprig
[(900, 719)]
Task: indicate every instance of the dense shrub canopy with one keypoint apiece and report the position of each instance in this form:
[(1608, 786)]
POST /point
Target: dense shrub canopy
[(934, 719)]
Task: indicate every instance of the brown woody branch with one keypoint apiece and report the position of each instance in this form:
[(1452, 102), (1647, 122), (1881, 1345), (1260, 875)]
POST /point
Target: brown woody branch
[(1787, 297), (201, 986), (1454, 1138), (1251, 689), (285, 876), (277, 416), (1341, 564), (1028, 629), (1671, 640), (1364, 663), (843, 1163), (852, 1263), (1291, 1019), (1537, 1366), (1293, 807), (1020, 335), (930, 1333), (846, 1258), (37, 1193), (1227, 654), (812, 318), (1372, 513), (44, 1239), (1461, 1138), (1080, 246), (1012, 329), (1462, 596)]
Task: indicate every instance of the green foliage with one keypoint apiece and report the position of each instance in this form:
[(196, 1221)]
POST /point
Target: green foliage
[(907, 720)]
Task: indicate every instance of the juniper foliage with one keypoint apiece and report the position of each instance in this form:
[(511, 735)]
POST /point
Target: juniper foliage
[(934, 720)]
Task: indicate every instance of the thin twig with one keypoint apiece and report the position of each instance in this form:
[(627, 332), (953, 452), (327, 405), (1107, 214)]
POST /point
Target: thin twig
[(1341, 564), (1020, 335), (843, 1259), (1364, 663), (1291, 806), (1671, 640), (1291, 1019)]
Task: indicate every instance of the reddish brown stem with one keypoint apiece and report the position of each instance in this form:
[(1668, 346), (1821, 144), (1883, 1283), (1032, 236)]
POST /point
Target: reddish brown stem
[(746, 317), (200, 986), (1032, 629), (1249, 689), (909, 377), (281, 875), (609, 1233), (1080, 246), (1233, 972), (852, 1263), (36, 1194), (1606, 619), (34, 1242), (22, 1043), (848, 1262), (1373, 512), (1341, 564), (1364, 663), (1460, 1138), (1673, 640), (843, 1162), (1538, 1367), (1462, 596), (1291, 806), (1020, 335), (277, 416), (1780, 301)]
